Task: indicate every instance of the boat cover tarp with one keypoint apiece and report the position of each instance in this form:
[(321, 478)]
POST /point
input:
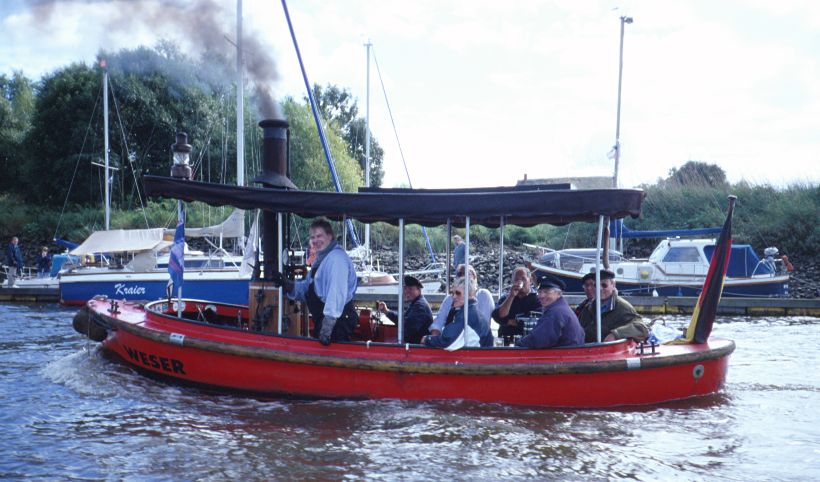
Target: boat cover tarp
[(523, 208), (743, 261), (617, 229), (119, 240), (232, 227)]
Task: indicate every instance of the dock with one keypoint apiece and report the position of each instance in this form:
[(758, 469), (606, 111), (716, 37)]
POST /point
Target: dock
[(29, 295)]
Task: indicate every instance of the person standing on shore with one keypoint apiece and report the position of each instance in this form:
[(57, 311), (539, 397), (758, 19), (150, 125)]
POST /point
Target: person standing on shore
[(14, 260), (459, 250)]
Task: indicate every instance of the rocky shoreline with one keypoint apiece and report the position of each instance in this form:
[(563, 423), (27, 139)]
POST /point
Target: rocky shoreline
[(804, 281)]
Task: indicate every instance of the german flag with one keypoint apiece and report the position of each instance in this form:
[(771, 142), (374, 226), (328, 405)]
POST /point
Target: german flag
[(705, 311)]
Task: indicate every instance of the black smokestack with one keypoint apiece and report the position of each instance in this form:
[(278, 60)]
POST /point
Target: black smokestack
[(274, 154), (274, 175)]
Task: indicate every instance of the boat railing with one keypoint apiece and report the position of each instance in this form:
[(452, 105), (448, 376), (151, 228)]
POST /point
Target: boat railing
[(771, 264)]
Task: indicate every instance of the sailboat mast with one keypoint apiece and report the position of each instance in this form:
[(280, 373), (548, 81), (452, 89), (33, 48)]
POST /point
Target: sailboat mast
[(106, 174), (618, 241), (624, 20), (240, 102), (367, 142)]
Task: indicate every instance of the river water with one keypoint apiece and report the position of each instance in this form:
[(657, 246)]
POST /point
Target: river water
[(68, 412)]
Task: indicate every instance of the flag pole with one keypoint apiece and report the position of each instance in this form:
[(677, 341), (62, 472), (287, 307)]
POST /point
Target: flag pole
[(180, 169)]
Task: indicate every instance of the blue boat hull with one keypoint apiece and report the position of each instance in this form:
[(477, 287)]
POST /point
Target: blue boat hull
[(234, 291)]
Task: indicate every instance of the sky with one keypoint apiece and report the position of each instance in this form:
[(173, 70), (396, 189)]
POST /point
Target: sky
[(484, 93)]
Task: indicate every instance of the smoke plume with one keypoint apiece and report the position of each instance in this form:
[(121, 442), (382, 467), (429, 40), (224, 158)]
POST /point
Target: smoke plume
[(204, 25)]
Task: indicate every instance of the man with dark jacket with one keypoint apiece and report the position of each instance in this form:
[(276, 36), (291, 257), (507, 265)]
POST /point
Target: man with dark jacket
[(519, 300), (558, 325), (417, 313), (618, 318), (14, 260), (588, 285)]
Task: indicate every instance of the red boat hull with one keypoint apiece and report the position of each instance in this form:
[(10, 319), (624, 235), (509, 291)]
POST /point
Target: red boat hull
[(601, 375)]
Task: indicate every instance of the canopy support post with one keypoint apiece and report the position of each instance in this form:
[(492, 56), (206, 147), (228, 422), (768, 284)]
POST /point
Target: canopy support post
[(598, 278), (467, 274), (279, 267), (401, 282), (449, 252), (501, 257)]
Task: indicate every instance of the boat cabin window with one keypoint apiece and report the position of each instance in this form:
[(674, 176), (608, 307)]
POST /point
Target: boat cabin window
[(682, 255)]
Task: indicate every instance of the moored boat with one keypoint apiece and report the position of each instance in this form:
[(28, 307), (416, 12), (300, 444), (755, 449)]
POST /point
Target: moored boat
[(677, 267), (261, 348), (135, 266)]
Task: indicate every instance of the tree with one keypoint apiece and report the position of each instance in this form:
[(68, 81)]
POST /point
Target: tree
[(309, 169), (16, 109), (697, 173), (154, 95), (338, 107)]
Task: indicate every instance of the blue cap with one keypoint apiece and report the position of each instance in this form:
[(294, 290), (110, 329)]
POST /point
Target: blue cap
[(548, 281)]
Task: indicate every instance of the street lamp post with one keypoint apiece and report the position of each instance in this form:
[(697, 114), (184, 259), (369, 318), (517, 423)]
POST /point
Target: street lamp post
[(624, 20)]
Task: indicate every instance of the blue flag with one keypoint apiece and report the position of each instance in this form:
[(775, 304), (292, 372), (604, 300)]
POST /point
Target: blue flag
[(176, 262)]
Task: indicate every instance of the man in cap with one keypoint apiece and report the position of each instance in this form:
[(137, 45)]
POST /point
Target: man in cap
[(417, 313), (519, 300), (618, 318), (558, 325), (588, 285)]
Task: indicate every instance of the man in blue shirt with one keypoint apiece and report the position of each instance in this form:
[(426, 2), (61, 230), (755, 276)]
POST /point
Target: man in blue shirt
[(558, 325), (328, 288)]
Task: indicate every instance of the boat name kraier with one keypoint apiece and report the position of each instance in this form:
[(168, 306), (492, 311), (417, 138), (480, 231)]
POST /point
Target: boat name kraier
[(157, 362), (123, 289)]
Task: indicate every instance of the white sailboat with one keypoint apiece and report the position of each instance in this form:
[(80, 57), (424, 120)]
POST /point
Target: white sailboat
[(139, 270)]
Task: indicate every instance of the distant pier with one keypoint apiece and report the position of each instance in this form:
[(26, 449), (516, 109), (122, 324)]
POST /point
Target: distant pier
[(29, 295)]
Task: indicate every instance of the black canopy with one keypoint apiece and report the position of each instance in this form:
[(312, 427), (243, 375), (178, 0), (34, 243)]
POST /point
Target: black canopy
[(428, 208)]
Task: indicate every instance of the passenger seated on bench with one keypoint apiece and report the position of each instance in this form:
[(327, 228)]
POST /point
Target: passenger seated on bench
[(558, 325), (484, 305), (519, 300), (417, 312), (618, 318), (475, 334)]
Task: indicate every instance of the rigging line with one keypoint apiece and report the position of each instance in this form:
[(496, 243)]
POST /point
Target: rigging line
[(127, 150), (77, 165), (401, 151), (316, 118), (390, 113)]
